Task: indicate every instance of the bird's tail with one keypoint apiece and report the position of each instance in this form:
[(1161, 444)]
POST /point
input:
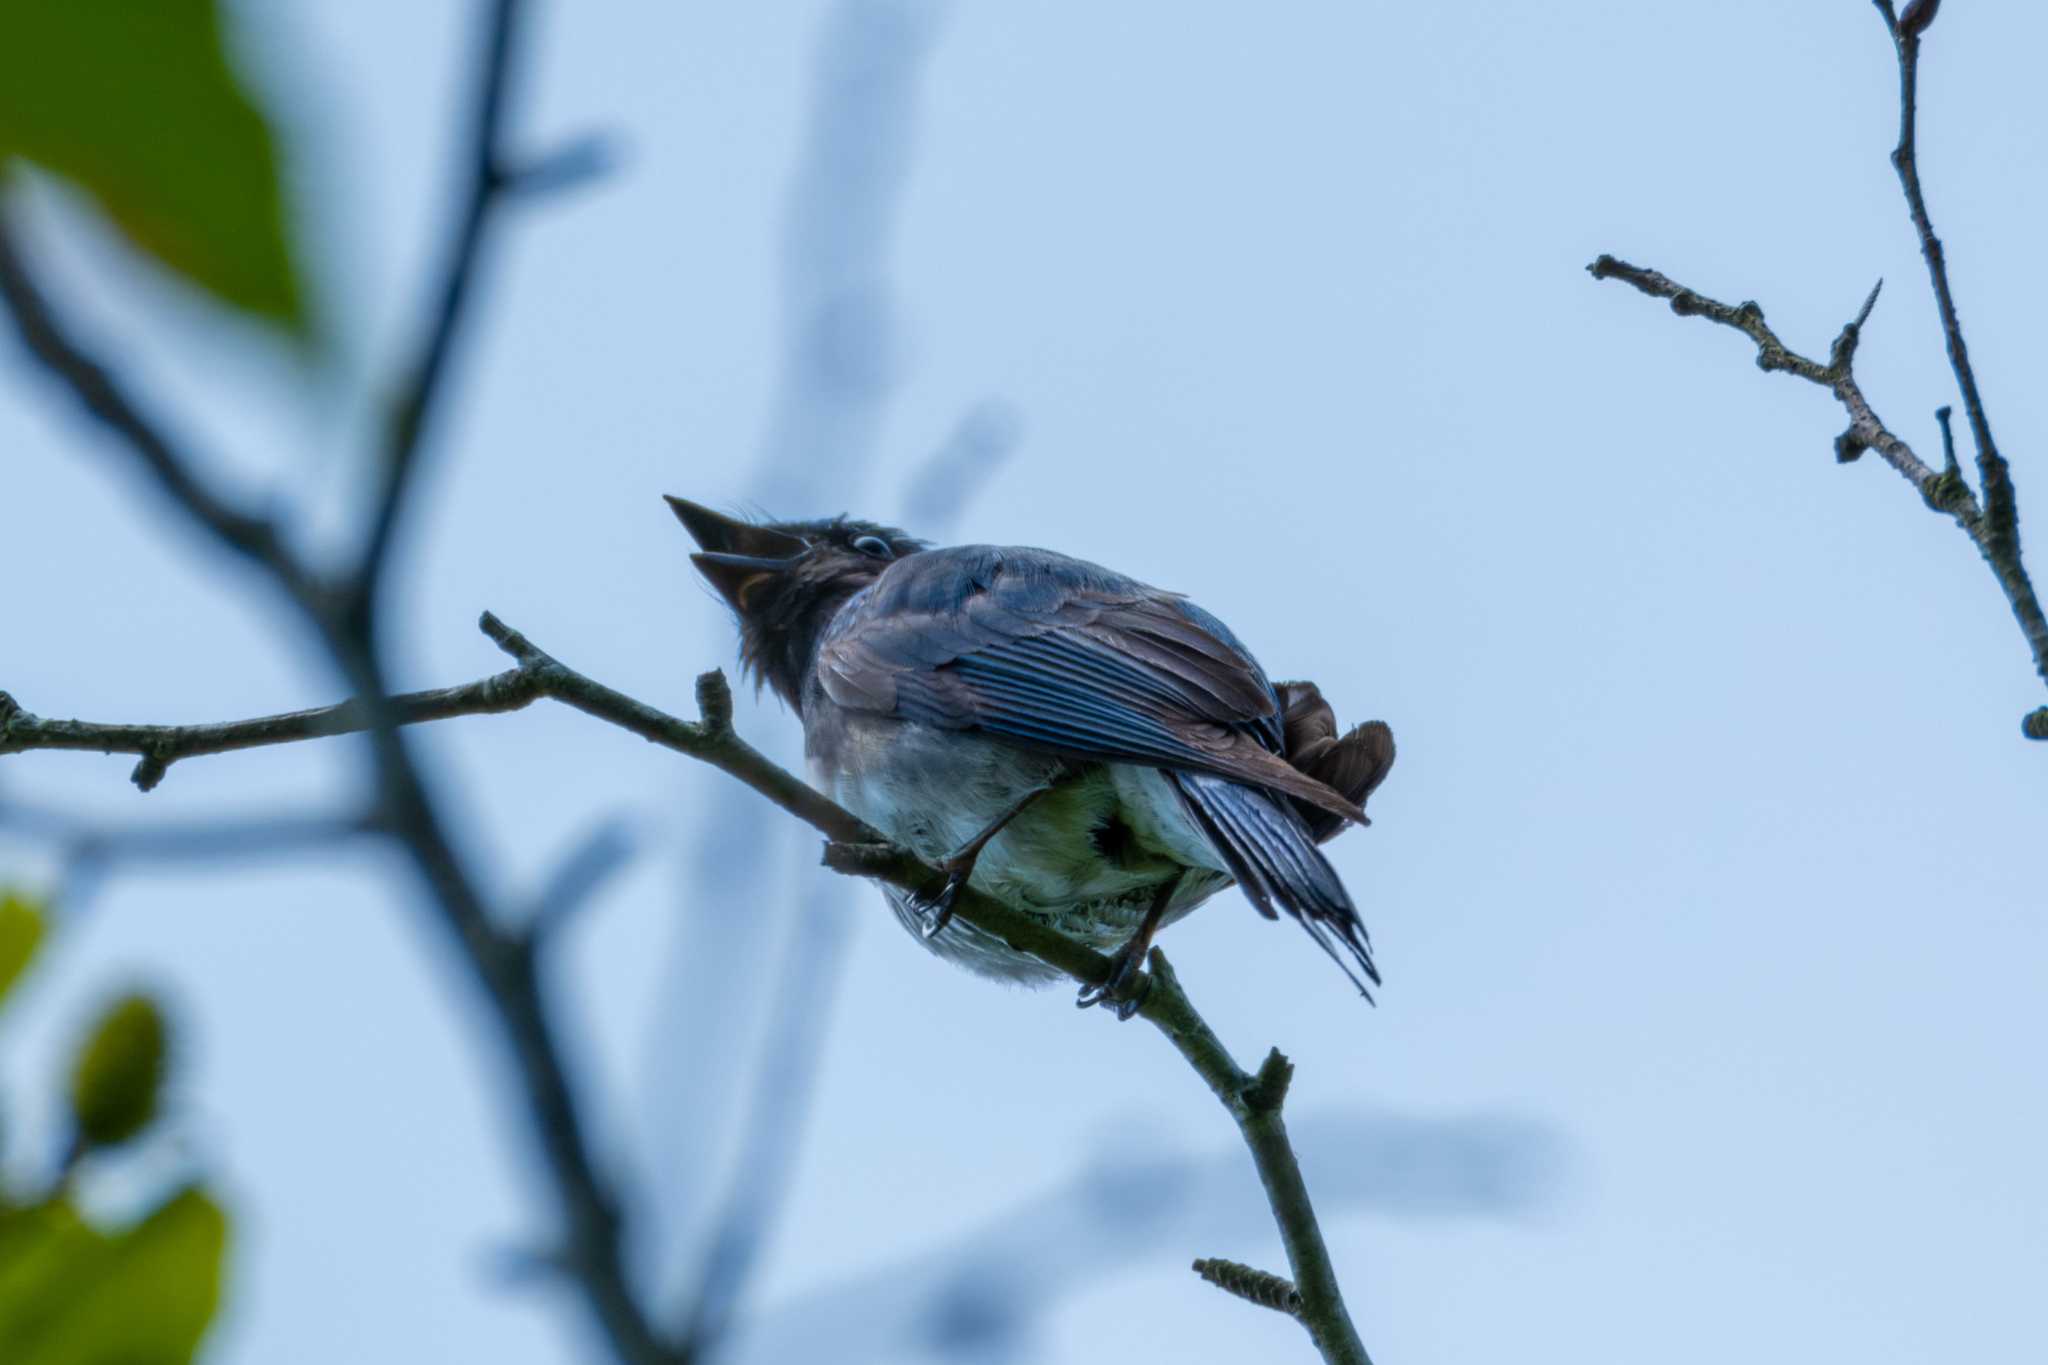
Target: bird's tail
[(1271, 852), (1353, 765)]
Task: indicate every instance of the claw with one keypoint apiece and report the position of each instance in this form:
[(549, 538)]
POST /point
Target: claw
[(936, 912), (1125, 988), (1115, 992)]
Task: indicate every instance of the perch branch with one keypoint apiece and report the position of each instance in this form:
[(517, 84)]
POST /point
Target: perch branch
[(853, 847), (1989, 514)]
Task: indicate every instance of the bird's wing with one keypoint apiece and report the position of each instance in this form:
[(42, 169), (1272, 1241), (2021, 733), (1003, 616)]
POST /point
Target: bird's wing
[(1058, 654)]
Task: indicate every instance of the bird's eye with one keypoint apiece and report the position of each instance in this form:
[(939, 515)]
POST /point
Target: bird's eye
[(876, 546)]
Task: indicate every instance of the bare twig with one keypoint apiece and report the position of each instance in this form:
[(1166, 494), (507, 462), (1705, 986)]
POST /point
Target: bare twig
[(855, 848), (1906, 34), (1261, 1287), (1865, 430), (159, 746), (1988, 515)]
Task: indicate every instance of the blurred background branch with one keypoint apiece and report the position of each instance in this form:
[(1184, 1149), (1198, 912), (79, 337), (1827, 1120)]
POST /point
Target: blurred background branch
[(499, 956), (768, 983), (985, 1296)]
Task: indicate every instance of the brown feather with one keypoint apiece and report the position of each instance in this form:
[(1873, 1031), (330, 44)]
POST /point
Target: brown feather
[(1354, 765)]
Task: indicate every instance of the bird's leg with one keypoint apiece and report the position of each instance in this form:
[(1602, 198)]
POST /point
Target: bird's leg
[(936, 912), (1124, 966)]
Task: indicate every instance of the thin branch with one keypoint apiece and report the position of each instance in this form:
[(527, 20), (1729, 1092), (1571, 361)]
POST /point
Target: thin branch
[(1945, 492), (488, 175), (854, 848), (1999, 506), (1999, 540), (1866, 431), (159, 746)]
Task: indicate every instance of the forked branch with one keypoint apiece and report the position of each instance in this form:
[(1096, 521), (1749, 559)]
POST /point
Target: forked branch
[(1988, 514)]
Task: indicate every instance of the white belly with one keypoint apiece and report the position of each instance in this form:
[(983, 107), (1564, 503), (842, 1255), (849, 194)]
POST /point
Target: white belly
[(1088, 855)]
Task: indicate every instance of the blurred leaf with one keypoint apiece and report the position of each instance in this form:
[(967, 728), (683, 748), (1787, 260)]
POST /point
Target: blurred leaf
[(21, 933), (72, 1295), (134, 102), (117, 1076)]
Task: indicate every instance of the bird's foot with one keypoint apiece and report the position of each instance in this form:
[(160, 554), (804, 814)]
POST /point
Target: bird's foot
[(935, 912), (1124, 989)]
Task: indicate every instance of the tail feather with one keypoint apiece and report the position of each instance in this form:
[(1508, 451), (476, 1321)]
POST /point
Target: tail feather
[(1272, 854), (1353, 765)]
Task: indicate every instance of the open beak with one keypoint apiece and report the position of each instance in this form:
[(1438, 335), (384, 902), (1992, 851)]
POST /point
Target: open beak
[(737, 556)]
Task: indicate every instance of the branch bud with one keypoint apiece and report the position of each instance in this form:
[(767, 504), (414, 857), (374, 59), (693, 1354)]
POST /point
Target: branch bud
[(1917, 17)]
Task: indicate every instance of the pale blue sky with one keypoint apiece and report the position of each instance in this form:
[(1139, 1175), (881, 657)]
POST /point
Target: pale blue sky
[(1712, 857)]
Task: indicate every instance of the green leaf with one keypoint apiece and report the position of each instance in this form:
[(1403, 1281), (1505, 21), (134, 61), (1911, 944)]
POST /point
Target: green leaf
[(73, 1295), (21, 933), (119, 1072), (134, 102)]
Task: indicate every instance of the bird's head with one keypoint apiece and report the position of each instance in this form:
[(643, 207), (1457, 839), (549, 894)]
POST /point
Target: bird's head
[(785, 579)]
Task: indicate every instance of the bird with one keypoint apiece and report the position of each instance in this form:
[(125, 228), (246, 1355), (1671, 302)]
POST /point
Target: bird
[(1094, 752)]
